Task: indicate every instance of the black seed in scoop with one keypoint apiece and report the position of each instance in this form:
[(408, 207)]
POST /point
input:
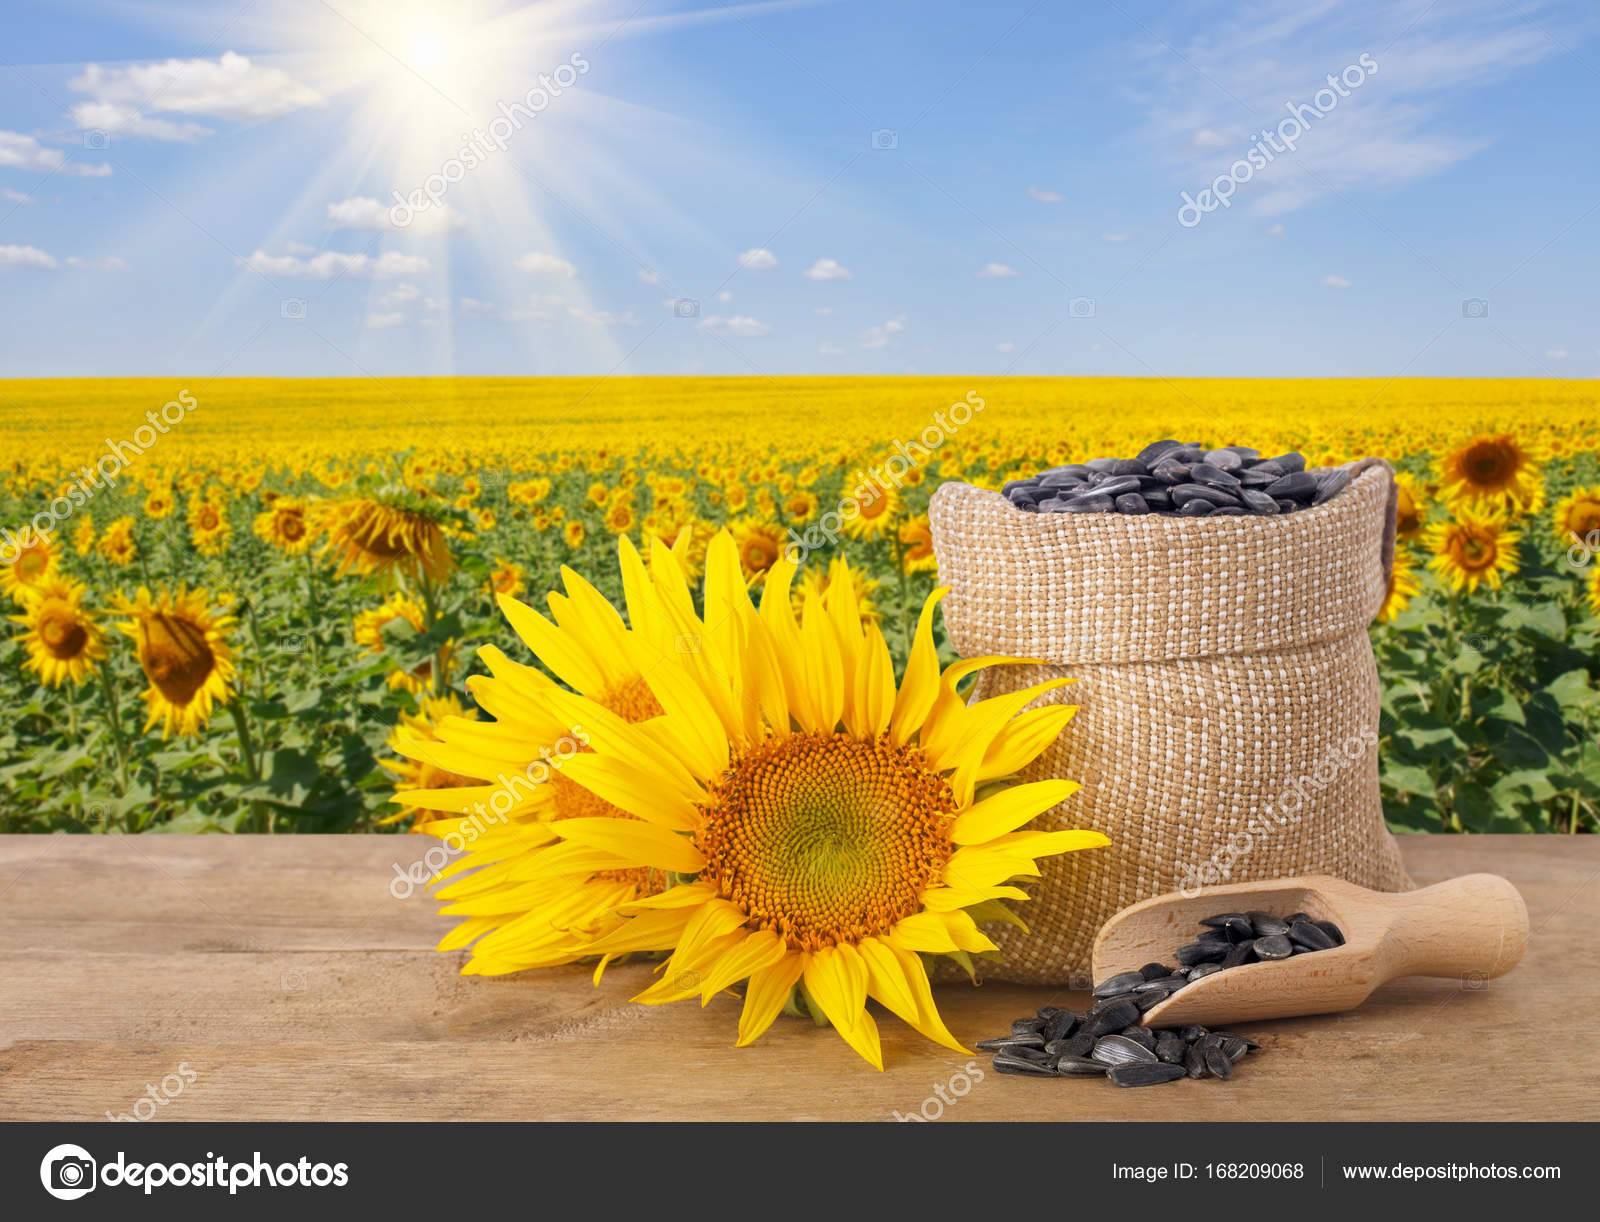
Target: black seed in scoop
[(1274, 946), (1120, 983), (1311, 937), (1114, 1017)]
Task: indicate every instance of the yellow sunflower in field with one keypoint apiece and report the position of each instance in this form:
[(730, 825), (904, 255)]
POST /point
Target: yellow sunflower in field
[(1496, 471), (507, 577), (819, 828), (33, 564), (800, 506), (528, 492), (409, 774), (385, 535), (117, 544), (62, 640), (1403, 586), (1411, 506), (916, 538), (368, 627), (760, 545), (572, 534), (159, 504), (1474, 548), (619, 517), (876, 511), (208, 526), (83, 536), (184, 653), (285, 525), (1577, 516)]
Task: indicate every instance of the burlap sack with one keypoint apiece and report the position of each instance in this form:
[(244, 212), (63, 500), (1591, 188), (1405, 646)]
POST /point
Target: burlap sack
[(1228, 722)]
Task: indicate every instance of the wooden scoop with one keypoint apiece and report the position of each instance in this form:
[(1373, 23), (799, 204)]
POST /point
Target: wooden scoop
[(1472, 927)]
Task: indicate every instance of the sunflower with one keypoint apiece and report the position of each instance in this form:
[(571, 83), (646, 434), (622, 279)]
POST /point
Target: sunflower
[(839, 575), (821, 828), (1493, 470), (83, 536), (800, 506), (1403, 586), (1577, 517), (507, 577), (1472, 549), (573, 533), (285, 525), (418, 727), (1594, 590), (619, 517), (876, 507), (1411, 506), (760, 545), (916, 538), (62, 640), (387, 534), (159, 504), (368, 628), (484, 519), (117, 544), (208, 526), (33, 565), (183, 650)]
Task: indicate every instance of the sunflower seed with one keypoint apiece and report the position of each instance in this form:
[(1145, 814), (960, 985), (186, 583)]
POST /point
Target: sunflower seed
[(1330, 484), (1223, 919), (1200, 952), (1298, 486), (1275, 946), (1170, 1048), (1194, 1061), (1028, 1026), (1005, 1063), (1154, 971), (1332, 930), (1203, 969), (1309, 936), (1079, 1045), (1140, 1035), (1240, 954), (1060, 1026), (1114, 1017), (1133, 503), (1119, 1049), (1006, 1042), (1224, 460), (1144, 1073), (1265, 924), (1217, 1063), (1080, 1067), (1122, 982)]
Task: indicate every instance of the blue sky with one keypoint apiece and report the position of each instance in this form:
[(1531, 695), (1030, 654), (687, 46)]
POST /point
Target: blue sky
[(877, 186)]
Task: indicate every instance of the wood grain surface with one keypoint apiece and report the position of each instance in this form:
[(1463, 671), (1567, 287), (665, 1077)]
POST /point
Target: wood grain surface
[(277, 978)]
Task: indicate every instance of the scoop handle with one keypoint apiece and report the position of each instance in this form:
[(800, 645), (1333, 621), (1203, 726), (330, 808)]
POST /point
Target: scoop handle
[(1473, 927)]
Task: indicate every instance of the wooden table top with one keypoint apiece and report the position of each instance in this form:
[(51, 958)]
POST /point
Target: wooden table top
[(276, 978)]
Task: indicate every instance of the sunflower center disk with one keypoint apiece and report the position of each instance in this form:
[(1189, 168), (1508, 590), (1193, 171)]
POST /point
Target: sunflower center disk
[(826, 838), (62, 633), (176, 657)]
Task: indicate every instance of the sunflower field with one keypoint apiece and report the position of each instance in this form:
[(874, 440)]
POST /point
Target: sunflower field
[(233, 602)]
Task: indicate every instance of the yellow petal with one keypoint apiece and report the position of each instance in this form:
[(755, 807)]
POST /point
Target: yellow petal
[(1008, 810), (760, 948), (920, 685), (766, 994), (642, 843), (836, 979)]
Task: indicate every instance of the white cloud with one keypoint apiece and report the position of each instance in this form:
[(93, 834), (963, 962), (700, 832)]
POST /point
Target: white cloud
[(1005, 345), (390, 265), (1275, 231), (101, 263), (19, 152), (828, 269), (1113, 237), (392, 319), (126, 121), (646, 276), (299, 248), (1556, 354), (1205, 138), (541, 264), (1408, 120), (738, 324), (398, 296), (878, 337), (823, 311), (364, 212), (758, 259), (1043, 196), (16, 197), (231, 87), (994, 271), (724, 296), (1336, 282), (25, 256), (827, 349)]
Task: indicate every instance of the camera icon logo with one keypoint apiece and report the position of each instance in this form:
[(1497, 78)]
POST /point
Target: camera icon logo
[(1474, 307), (884, 139), (94, 138), (292, 307), (68, 1172), (1081, 307), (686, 307)]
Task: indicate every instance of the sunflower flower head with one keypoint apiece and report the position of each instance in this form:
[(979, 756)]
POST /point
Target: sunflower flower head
[(394, 532), (1495, 471), (1473, 548), (62, 640), (184, 653), (780, 816), (1403, 585), (1577, 517), (409, 774), (286, 525), (32, 565)]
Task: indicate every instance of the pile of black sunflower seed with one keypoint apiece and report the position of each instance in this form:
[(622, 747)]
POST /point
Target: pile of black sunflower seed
[(1108, 1041), (1180, 478)]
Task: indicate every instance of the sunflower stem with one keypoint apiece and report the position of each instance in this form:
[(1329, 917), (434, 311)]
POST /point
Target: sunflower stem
[(430, 617), (247, 750), (114, 719), (905, 591), (316, 611)]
